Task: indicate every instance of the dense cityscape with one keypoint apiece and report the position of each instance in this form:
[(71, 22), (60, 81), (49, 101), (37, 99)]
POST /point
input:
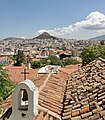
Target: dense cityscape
[(52, 60)]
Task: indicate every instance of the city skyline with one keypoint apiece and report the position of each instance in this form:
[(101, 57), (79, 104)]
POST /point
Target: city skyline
[(68, 19)]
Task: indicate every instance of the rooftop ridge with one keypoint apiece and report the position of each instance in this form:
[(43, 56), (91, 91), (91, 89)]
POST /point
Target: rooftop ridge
[(42, 86), (49, 112), (102, 59), (76, 96), (85, 93)]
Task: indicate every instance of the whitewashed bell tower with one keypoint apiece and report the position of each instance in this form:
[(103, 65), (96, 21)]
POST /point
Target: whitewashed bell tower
[(24, 101)]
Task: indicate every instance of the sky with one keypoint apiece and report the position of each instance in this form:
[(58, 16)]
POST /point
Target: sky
[(78, 19)]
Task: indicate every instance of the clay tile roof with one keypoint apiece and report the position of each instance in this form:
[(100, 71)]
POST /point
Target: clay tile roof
[(39, 117), (69, 68), (51, 96), (76, 96), (85, 93), (15, 73)]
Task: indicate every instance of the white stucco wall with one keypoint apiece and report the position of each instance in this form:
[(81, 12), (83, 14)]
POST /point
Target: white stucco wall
[(32, 111)]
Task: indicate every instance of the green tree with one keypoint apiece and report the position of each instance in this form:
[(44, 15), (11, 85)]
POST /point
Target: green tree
[(102, 42), (43, 61), (54, 60), (36, 64), (63, 47), (6, 85), (19, 58), (90, 53), (68, 61)]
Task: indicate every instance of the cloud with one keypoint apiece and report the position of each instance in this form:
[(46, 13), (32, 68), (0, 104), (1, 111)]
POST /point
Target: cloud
[(23, 37), (94, 21)]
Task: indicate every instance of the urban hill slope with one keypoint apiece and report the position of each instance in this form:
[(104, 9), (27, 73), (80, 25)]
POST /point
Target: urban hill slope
[(102, 37), (45, 35)]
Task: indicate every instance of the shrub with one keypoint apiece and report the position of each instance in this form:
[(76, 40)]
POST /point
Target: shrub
[(35, 64), (54, 60), (68, 61)]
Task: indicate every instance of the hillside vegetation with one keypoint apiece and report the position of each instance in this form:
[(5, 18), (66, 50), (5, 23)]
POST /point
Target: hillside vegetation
[(53, 60), (91, 53), (6, 85)]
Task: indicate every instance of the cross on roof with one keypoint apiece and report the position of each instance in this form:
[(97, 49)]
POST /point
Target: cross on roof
[(25, 73)]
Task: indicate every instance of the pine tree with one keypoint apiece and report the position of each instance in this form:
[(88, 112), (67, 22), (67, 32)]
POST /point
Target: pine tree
[(20, 58)]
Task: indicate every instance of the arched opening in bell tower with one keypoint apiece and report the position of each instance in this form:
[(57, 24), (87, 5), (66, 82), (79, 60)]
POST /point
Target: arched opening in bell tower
[(23, 100)]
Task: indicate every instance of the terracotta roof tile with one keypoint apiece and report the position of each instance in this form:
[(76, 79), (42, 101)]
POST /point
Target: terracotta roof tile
[(75, 113), (69, 69), (52, 95), (52, 98), (39, 117), (74, 96), (46, 117), (85, 92), (84, 110), (16, 75)]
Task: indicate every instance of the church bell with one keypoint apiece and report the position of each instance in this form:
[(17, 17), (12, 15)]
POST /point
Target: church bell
[(25, 95)]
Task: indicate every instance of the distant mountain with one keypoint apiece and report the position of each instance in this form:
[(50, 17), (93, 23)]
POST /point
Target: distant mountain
[(102, 37), (45, 35), (13, 39)]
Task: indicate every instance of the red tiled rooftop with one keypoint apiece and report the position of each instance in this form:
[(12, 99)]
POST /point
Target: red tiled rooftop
[(52, 94), (76, 96), (39, 117), (15, 73), (69, 69), (85, 93)]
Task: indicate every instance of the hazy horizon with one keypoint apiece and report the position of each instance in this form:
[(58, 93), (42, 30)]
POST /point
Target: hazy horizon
[(65, 19)]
